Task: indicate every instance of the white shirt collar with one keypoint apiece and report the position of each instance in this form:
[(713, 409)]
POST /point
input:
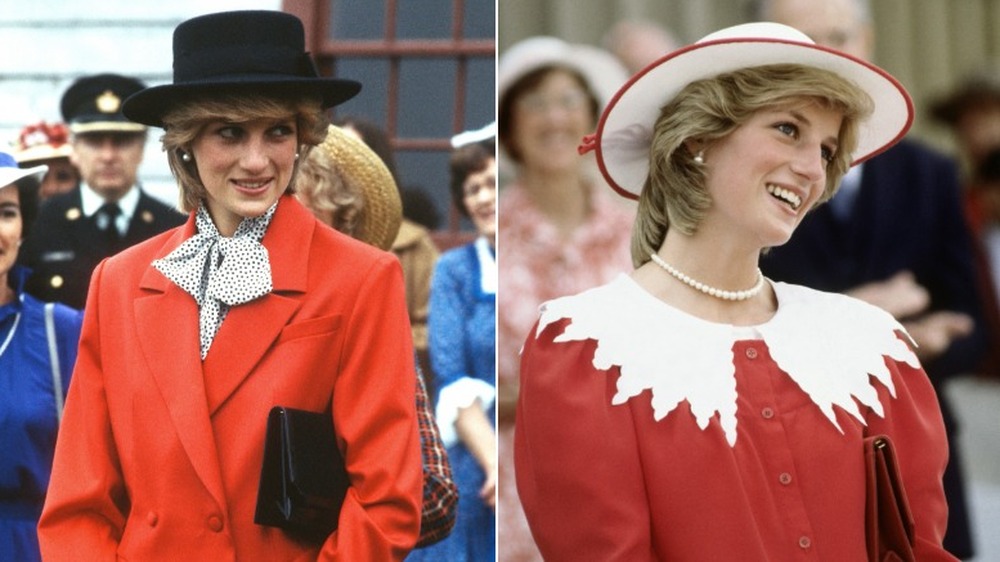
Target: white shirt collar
[(91, 202), (487, 266)]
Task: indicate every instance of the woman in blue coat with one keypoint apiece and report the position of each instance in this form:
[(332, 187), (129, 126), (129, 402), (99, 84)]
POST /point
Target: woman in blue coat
[(38, 345), (461, 341)]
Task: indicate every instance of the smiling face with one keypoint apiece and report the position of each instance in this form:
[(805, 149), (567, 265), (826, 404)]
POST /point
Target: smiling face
[(245, 167), (11, 227), (549, 121), (765, 175), (480, 196)]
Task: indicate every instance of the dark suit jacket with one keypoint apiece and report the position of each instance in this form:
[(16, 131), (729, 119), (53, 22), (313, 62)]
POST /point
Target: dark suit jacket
[(908, 216), (64, 247)]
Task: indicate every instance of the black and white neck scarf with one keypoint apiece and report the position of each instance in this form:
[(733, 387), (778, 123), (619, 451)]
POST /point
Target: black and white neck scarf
[(220, 272)]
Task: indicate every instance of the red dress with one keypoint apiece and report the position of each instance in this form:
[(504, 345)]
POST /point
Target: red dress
[(645, 433)]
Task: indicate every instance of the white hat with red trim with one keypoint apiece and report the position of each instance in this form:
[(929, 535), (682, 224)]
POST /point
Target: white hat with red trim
[(625, 129)]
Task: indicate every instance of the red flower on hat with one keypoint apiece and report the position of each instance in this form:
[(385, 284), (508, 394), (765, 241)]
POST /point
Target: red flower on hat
[(54, 134)]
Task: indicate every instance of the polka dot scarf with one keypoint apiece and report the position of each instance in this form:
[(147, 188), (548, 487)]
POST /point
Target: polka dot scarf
[(220, 272)]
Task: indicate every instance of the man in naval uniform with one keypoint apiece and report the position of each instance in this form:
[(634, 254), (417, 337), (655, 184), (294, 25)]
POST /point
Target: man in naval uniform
[(108, 211)]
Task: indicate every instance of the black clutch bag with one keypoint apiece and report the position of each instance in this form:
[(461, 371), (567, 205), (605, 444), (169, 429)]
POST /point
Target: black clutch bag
[(302, 480)]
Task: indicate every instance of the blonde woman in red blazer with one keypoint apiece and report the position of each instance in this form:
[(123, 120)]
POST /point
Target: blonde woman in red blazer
[(190, 338)]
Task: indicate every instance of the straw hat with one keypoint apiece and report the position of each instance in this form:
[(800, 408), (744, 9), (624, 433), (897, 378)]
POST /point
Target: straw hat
[(251, 50), (383, 210), (624, 131), (42, 141), (10, 172)]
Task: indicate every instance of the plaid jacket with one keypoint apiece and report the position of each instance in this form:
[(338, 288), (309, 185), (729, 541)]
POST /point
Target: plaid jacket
[(437, 517)]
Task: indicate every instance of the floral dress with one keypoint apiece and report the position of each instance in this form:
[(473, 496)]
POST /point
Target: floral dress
[(537, 266)]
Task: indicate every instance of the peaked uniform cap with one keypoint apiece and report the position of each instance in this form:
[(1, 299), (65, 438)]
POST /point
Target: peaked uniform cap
[(253, 51), (93, 104)]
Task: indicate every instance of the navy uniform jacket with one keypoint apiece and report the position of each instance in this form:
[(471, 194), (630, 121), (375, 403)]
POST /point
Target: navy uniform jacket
[(908, 215), (65, 246)]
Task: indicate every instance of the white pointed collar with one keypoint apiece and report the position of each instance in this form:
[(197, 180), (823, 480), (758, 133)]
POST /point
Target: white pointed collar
[(828, 343)]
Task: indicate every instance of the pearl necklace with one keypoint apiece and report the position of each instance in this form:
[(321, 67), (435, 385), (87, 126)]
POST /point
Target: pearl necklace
[(708, 290)]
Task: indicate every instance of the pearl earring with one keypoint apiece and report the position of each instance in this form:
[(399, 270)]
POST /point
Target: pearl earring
[(185, 156), (699, 158), (296, 155)]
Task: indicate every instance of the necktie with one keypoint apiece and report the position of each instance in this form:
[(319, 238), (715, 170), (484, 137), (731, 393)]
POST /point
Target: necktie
[(107, 219)]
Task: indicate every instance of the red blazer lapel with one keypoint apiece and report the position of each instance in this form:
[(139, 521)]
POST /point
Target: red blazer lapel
[(250, 330), (167, 329)]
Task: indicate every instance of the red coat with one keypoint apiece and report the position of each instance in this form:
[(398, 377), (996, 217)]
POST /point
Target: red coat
[(159, 453)]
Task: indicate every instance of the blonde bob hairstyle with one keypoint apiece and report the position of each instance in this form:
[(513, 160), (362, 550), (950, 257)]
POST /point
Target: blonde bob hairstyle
[(183, 124), (675, 194)]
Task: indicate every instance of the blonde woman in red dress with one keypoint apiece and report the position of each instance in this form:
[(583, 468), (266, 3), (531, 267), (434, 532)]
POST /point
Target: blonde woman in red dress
[(694, 410)]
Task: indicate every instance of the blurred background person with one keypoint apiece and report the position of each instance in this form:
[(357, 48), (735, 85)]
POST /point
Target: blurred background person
[(48, 144), (972, 112), (345, 191), (982, 204), (108, 211), (412, 244), (559, 231), (462, 345), (895, 235), (637, 43), (38, 344)]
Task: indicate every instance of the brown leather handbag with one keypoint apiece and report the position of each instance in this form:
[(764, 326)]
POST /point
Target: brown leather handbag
[(888, 521)]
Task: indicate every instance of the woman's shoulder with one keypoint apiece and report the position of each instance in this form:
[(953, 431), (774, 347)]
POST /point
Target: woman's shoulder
[(606, 305), (63, 316)]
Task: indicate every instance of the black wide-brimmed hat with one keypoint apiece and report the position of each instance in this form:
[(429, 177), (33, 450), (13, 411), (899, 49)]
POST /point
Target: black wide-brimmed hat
[(244, 51), (93, 104)]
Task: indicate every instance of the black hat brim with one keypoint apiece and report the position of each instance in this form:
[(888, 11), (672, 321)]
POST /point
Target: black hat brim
[(148, 106)]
